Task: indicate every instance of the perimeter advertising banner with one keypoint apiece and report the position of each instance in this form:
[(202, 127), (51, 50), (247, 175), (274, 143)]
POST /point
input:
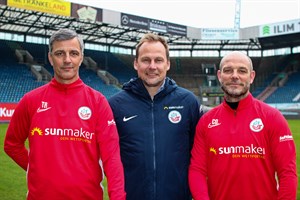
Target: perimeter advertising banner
[(219, 33), (86, 12), (282, 28), (152, 24), (6, 111), (57, 7)]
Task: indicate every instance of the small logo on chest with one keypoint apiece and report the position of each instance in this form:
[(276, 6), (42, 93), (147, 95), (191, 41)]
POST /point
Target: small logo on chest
[(174, 116), (256, 125), (84, 113)]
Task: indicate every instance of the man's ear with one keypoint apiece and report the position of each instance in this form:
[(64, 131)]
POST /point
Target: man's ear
[(135, 64), (252, 76), (219, 75), (50, 58)]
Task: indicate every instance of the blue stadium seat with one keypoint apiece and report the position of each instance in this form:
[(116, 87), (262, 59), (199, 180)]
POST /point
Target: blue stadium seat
[(288, 92)]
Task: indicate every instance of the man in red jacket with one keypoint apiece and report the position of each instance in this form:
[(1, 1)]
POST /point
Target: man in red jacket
[(243, 148), (71, 132)]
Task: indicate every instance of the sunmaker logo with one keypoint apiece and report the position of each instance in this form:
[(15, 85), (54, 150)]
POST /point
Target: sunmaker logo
[(250, 151), (173, 107), (36, 130), (64, 134)]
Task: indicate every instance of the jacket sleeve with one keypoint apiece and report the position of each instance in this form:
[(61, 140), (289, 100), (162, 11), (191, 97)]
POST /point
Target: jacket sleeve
[(197, 168), (16, 135), (196, 113), (108, 140), (284, 157)]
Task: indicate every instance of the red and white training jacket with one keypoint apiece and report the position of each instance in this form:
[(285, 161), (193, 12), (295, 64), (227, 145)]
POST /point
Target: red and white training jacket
[(72, 137), (239, 154)]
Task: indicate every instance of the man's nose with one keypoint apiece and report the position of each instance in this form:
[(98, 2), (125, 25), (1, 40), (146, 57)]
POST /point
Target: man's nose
[(152, 64), (235, 74), (67, 57)]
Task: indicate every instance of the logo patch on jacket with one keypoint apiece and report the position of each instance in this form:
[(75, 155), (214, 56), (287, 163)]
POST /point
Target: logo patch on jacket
[(44, 107), (84, 113), (174, 116), (256, 125), (214, 123)]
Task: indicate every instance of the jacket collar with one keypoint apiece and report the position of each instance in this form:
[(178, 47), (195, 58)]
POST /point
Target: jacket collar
[(136, 86), (66, 87), (243, 104)]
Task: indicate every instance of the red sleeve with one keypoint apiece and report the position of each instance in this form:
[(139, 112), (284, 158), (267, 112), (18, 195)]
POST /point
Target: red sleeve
[(198, 169), (16, 135), (284, 157), (110, 154)]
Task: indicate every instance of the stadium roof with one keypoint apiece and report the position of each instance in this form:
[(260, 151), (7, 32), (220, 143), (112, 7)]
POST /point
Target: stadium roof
[(34, 23), (288, 40)]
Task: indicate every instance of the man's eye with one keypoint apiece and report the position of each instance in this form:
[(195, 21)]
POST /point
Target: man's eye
[(146, 61), (59, 54), (74, 53), (227, 71)]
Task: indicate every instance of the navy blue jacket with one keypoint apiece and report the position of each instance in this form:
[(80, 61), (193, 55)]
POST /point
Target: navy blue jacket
[(156, 138)]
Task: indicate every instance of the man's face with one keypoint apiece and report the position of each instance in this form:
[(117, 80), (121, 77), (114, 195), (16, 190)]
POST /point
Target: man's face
[(152, 64), (235, 77), (66, 58)]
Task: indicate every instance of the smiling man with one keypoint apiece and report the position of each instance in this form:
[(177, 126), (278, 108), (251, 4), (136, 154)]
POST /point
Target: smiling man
[(243, 148), (156, 122), (72, 136)]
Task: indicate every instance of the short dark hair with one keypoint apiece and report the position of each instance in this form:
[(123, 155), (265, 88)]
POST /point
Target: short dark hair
[(65, 34)]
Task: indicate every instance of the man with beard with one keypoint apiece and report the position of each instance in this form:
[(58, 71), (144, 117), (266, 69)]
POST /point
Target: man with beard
[(243, 148)]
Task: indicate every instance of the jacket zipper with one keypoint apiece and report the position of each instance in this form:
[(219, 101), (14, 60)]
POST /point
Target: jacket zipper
[(154, 151)]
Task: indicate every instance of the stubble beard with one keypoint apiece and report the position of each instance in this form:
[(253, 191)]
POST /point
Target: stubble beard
[(235, 95)]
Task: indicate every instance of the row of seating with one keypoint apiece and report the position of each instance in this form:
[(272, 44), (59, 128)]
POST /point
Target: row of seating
[(264, 85), (288, 92), (16, 79), (106, 61)]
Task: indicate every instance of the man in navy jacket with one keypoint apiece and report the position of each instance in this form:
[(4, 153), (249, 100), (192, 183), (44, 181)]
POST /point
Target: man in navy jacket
[(156, 122)]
